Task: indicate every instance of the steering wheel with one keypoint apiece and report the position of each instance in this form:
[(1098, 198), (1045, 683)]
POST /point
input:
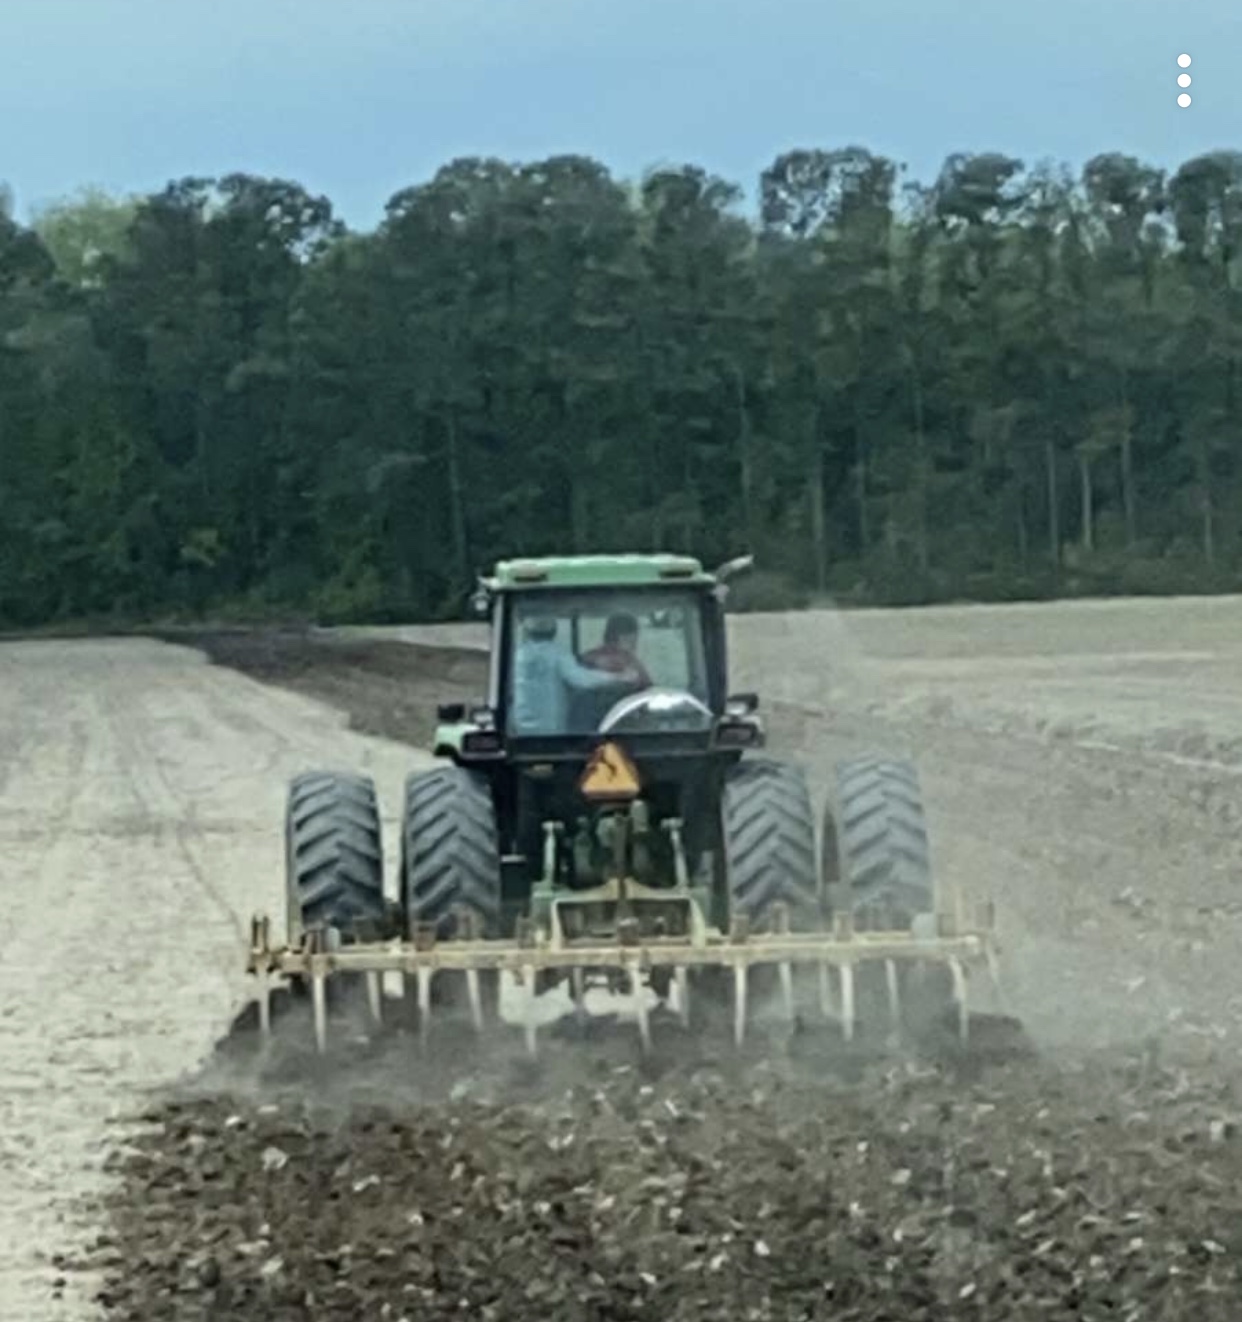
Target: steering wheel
[(657, 711)]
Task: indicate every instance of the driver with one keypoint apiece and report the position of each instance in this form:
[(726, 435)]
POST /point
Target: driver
[(544, 672), (617, 653)]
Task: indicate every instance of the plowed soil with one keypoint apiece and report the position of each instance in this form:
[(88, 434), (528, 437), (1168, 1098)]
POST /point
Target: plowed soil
[(1081, 765)]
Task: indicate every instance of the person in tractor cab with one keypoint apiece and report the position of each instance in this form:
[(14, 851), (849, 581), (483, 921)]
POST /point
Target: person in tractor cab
[(546, 675), (618, 652)]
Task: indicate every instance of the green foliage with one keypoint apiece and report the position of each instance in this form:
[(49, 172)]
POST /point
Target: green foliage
[(1006, 384), (86, 232)]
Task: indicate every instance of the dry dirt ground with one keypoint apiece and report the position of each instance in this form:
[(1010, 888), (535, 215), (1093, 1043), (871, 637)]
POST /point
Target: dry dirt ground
[(139, 792), (1081, 763)]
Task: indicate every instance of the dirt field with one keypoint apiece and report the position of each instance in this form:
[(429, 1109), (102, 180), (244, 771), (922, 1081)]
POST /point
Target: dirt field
[(1080, 761), (140, 795)]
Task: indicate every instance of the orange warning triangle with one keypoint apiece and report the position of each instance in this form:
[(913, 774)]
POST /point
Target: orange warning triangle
[(610, 775)]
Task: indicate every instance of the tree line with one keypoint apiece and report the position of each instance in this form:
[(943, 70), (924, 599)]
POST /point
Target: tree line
[(1011, 382)]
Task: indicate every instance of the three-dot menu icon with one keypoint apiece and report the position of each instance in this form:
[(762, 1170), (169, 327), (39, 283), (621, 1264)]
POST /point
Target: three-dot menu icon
[(1183, 80)]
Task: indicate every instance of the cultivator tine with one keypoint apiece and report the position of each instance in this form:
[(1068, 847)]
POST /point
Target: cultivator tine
[(260, 944), (468, 928), (640, 1005), (475, 996), (423, 984), (847, 1001), (993, 965), (825, 991), (960, 995), (681, 980), (319, 1006), (987, 920), (577, 994), (531, 1025), (375, 999), (781, 927), (739, 1003), (894, 995), (314, 944), (787, 990), (265, 1004), (739, 934)]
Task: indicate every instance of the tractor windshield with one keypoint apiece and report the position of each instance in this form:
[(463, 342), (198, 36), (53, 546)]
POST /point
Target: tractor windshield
[(576, 654)]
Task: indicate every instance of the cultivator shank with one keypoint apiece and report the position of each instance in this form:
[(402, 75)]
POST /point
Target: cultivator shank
[(634, 956)]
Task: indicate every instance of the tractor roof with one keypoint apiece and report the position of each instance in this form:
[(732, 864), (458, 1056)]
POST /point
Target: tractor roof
[(590, 571)]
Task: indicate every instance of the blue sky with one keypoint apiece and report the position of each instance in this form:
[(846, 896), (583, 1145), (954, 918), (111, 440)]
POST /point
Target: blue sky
[(358, 98)]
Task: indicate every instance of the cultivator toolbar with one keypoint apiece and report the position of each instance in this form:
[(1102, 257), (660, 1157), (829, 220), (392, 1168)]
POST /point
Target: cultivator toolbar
[(630, 958)]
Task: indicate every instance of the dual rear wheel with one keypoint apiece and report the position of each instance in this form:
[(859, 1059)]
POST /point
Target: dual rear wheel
[(873, 859), (449, 868), (873, 850)]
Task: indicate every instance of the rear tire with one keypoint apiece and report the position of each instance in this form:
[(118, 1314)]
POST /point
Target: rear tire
[(876, 859), (450, 853), (450, 865), (768, 829), (875, 844), (334, 863), (767, 836), (334, 867)]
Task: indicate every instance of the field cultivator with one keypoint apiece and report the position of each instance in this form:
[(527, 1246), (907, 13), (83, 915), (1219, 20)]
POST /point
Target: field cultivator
[(635, 964)]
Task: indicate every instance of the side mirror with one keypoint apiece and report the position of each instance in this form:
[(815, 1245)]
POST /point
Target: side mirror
[(741, 704), (481, 602), (451, 713)]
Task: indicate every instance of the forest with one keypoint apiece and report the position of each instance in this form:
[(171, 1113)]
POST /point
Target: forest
[(1013, 382)]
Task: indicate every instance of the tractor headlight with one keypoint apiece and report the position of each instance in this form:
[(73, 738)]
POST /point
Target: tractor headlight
[(737, 734), (482, 743)]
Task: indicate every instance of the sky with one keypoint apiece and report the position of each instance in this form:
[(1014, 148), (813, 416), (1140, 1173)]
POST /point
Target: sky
[(358, 99)]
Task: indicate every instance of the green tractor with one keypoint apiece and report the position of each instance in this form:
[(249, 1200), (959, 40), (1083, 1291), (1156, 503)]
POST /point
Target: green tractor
[(603, 816)]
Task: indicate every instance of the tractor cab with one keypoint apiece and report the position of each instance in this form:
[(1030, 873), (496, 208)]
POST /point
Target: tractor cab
[(591, 646), (620, 658), (574, 658)]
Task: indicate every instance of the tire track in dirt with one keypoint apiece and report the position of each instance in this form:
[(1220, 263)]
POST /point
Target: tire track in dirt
[(140, 809)]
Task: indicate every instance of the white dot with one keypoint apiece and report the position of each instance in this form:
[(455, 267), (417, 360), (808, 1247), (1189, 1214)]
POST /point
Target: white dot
[(1183, 100), (1183, 80), (1184, 61)]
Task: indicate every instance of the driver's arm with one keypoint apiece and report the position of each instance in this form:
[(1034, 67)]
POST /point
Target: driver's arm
[(578, 676)]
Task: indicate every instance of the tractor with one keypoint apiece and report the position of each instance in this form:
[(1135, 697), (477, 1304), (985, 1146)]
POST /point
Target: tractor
[(605, 817)]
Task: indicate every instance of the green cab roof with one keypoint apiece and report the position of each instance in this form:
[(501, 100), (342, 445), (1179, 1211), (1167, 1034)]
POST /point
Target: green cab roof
[(588, 571)]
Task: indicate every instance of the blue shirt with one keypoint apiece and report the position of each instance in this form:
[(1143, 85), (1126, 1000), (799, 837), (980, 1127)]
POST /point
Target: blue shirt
[(543, 674)]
